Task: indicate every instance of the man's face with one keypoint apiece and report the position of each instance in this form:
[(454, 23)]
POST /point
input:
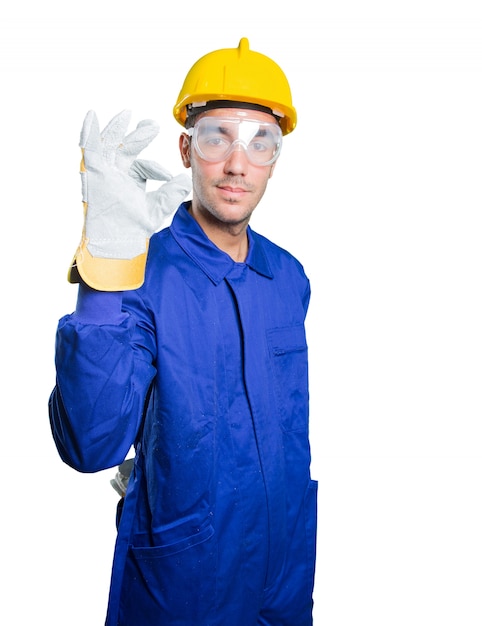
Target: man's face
[(228, 190)]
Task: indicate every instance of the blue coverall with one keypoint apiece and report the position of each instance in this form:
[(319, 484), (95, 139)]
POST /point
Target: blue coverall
[(204, 369)]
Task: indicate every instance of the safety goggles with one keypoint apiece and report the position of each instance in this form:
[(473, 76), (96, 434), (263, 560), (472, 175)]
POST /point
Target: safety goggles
[(215, 138)]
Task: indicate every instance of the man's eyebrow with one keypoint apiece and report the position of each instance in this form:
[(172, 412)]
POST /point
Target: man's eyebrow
[(213, 126)]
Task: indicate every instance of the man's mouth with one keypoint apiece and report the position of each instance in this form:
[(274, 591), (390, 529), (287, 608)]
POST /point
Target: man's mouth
[(233, 189)]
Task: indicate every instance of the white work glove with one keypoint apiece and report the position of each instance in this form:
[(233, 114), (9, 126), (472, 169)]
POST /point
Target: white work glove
[(119, 215)]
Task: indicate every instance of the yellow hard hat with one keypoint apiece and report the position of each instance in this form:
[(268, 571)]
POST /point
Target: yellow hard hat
[(237, 75)]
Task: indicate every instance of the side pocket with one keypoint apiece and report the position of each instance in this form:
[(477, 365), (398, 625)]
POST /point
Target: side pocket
[(173, 548), (172, 583)]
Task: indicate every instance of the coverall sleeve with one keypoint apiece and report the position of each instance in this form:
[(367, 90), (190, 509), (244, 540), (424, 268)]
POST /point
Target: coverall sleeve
[(104, 363)]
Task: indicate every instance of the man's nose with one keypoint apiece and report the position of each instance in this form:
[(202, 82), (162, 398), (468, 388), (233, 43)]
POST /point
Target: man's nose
[(237, 161)]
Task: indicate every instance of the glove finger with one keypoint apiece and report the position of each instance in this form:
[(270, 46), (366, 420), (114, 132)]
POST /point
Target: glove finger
[(113, 134), (141, 137), (90, 134), (142, 170)]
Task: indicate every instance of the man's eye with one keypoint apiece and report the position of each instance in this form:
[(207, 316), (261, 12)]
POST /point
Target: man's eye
[(259, 146), (215, 141)]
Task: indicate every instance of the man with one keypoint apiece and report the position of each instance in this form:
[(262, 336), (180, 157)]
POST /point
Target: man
[(198, 358)]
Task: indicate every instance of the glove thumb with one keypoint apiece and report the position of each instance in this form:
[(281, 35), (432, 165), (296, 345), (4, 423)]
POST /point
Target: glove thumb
[(163, 202)]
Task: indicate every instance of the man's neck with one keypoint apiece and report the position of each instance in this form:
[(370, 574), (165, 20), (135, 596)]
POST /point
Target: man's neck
[(230, 238)]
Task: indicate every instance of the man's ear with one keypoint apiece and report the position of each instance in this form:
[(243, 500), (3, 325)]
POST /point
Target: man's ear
[(272, 169), (185, 149)]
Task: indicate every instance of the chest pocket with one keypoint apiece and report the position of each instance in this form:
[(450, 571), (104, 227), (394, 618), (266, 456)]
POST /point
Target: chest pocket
[(289, 357)]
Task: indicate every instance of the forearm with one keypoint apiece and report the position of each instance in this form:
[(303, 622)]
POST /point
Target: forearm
[(103, 378)]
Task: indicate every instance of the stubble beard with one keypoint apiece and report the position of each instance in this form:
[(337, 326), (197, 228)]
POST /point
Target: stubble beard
[(214, 214)]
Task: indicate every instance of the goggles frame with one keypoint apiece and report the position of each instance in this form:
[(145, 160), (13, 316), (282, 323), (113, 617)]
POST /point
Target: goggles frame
[(232, 132)]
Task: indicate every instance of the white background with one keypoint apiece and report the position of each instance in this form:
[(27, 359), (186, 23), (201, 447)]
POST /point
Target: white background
[(378, 192)]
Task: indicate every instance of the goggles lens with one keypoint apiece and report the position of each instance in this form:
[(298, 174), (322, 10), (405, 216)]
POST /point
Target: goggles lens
[(215, 138)]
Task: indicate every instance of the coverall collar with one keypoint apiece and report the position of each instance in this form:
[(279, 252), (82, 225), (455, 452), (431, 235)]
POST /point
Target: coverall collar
[(215, 263)]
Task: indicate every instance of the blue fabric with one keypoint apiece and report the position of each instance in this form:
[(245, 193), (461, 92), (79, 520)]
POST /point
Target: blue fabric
[(206, 373), (98, 307)]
